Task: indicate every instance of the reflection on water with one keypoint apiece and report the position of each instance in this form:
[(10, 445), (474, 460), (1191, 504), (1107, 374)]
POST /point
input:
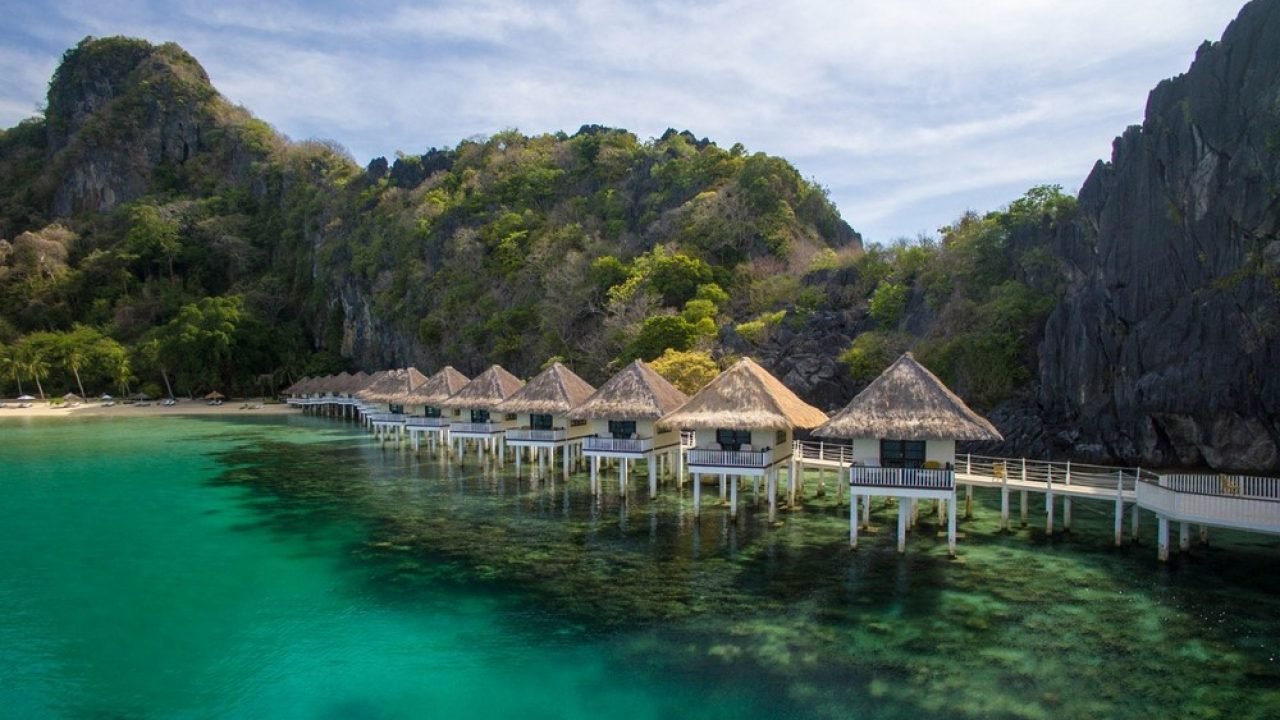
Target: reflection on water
[(291, 567), (1022, 625)]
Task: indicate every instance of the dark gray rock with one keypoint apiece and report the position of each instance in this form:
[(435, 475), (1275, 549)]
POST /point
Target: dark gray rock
[(1165, 350)]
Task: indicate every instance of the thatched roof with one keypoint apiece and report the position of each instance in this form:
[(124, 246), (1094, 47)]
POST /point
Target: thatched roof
[(321, 385), (907, 402), (436, 389), (636, 393), (297, 387), (744, 396), (554, 391), (392, 384), (485, 391), (356, 383)]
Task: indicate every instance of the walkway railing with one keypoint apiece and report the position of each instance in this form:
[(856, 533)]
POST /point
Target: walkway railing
[(432, 422), (731, 458), (1238, 501), (1236, 486), (906, 478), (1051, 471), (473, 428), (609, 444), (824, 452), (386, 418), (531, 435)]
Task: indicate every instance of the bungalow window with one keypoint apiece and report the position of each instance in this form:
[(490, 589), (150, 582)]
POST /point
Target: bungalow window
[(432, 412), (622, 429), (509, 416), (902, 453), (397, 409), (732, 439), (479, 416), (539, 422), (577, 423)]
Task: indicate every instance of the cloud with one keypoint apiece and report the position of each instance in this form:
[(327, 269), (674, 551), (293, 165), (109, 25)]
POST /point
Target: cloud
[(903, 110)]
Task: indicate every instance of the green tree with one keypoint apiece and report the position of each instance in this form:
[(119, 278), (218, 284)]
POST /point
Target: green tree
[(690, 371), (152, 235), (659, 333), (888, 304), (32, 354)]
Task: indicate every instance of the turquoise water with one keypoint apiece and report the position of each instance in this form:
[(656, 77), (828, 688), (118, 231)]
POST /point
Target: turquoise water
[(289, 567)]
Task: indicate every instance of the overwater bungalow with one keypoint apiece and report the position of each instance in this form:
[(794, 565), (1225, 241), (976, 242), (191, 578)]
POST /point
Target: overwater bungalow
[(481, 422), (744, 423), (387, 415), (424, 404), (542, 409), (622, 423), (904, 427)]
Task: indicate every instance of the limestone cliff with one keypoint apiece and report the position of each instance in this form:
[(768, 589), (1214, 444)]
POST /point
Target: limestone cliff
[(1166, 351)]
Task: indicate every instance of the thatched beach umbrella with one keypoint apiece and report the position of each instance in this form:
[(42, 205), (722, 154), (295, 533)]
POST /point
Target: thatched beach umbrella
[(72, 398), (215, 395)]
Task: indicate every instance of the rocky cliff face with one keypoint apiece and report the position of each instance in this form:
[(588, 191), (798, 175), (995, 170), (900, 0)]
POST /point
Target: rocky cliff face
[(1166, 351), (119, 110)]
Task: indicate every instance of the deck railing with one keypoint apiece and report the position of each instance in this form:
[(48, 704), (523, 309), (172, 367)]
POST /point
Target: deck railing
[(1239, 501), (432, 422), (730, 458), (1052, 471), (824, 452), (385, 418), (611, 444), (474, 428), (1237, 486), (907, 478), (531, 435)]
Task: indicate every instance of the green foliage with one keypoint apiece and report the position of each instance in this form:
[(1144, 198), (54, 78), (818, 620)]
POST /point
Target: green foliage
[(888, 304), (757, 331), (872, 352), (689, 371), (660, 333)]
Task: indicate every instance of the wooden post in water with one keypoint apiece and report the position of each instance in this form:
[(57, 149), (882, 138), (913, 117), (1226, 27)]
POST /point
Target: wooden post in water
[(733, 498), (904, 512), (1119, 507), (773, 495), (1204, 534), (853, 521), (1184, 536), (1024, 508), (1066, 505), (653, 476), (951, 527), (1004, 501), (968, 502), (1048, 503), (1133, 522), (624, 473), (697, 494)]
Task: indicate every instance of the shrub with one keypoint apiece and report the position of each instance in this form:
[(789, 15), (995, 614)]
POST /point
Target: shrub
[(689, 371)]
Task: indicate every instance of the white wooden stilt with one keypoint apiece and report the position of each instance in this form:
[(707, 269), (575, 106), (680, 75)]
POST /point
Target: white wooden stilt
[(724, 481), (904, 516), (1066, 513), (518, 454), (1024, 508), (1004, 507), (697, 494), (1184, 536), (968, 502), (1048, 510), (624, 468), (1204, 534), (951, 528), (652, 462), (773, 495), (1119, 519), (1133, 522), (853, 521), (595, 475), (733, 497)]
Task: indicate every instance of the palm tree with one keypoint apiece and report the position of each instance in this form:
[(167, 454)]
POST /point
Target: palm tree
[(74, 357), (10, 366), (33, 361)]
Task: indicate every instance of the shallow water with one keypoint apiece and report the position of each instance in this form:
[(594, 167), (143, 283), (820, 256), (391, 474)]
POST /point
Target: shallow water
[(290, 567)]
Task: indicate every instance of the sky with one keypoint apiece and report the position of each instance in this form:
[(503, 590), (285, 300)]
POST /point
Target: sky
[(909, 112)]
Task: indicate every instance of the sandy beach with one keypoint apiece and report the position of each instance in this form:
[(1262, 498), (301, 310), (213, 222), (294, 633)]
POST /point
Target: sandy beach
[(184, 407)]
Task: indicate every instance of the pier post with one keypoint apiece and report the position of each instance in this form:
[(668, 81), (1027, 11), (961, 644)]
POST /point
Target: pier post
[(1133, 522), (624, 471), (951, 528), (1162, 538), (595, 475), (697, 494), (853, 522), (904, 511), (1066, 513), (1184, 536), (724, 480), (773, 496), (1004, 502), (1024, 508), (941, 509), (653, 477), (733, 498), (1119, 517), (1048, 504), (1204, 534), (518, 454), (968, 502)]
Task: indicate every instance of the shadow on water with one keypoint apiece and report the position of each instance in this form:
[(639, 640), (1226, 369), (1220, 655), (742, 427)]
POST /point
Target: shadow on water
[(1022, 625)]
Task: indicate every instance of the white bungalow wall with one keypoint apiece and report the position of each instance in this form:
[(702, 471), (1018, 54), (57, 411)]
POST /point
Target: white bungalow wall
[(866, 450), (644, 429), (760, 439)]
